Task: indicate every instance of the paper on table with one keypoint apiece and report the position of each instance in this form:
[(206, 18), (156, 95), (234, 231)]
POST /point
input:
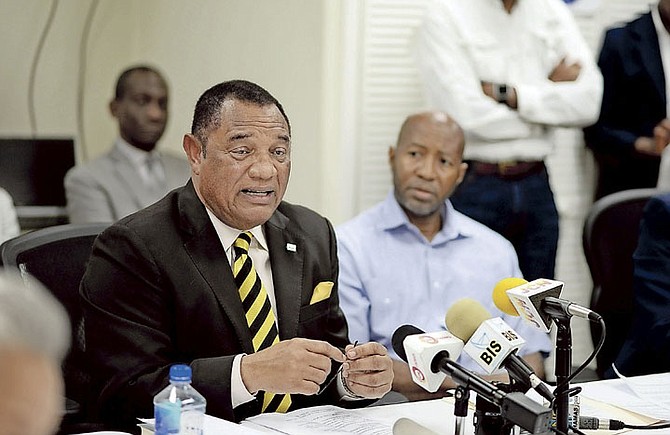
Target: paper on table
[(434, 415), (105, 432), (602, 410), (321, 420), (646, 395), (212, 426)]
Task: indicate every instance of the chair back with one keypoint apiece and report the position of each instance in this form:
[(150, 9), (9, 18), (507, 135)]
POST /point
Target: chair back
[(609, 238), (57, 257)]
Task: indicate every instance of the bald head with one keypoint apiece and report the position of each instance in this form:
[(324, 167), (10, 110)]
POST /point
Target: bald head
[(439, 123), (427, 165), (34, 339)]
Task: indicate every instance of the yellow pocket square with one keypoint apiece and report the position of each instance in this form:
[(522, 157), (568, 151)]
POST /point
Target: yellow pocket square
[(321, 292)]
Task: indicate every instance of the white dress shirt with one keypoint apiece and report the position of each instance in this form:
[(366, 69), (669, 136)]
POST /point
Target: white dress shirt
[(464, 42), (260, 256)]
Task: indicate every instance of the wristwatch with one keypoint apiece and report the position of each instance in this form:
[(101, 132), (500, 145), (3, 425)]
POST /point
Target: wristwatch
[(500, 92)]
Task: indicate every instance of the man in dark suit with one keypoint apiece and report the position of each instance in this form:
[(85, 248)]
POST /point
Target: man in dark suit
[(159, 288), (628, 138), (647, 348)]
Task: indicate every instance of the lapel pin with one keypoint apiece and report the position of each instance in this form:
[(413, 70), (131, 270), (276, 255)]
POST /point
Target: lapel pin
[(290, 247)]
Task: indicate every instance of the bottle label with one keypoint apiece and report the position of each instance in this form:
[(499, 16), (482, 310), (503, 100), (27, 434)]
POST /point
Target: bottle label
[(167, 415), (192, 422)]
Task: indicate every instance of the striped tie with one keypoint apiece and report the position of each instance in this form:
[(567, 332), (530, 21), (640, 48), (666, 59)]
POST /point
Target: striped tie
[(260, 318)]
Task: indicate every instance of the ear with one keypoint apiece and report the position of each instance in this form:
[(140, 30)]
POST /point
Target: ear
[(462, 169), (114, 108), (391, 155), (193, 150)]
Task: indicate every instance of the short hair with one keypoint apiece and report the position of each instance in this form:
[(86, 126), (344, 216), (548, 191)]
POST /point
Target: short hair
[(122, 81), (207, 113), (31, 317)]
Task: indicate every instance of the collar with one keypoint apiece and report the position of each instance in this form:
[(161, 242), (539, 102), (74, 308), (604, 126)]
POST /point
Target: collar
[(228, 234), (136, 156), (393, 217)]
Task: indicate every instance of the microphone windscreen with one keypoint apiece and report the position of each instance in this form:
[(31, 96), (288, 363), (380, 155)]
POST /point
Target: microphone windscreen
[(500, 298), (406, 426), (399, 337), (464, 317)]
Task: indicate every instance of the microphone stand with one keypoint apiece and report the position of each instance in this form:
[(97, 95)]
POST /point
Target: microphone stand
[(562, 370), (462, 396)]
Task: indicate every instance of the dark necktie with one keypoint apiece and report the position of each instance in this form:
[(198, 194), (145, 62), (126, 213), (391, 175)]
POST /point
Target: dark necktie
[(259, 314)]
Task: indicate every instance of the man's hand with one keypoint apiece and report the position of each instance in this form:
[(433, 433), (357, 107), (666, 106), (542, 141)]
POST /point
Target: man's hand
[(662, 135), (298, 365), (654, 146), (564, 72), (368, 370)]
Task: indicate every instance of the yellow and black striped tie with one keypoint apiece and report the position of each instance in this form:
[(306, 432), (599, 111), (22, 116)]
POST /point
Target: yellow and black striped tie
[(260, 318)]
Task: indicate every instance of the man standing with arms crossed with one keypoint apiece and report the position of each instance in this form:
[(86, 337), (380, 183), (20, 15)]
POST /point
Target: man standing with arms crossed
[(508, 71)]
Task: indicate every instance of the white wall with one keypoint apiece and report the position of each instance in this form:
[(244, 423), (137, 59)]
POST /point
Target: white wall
[(278, 44)]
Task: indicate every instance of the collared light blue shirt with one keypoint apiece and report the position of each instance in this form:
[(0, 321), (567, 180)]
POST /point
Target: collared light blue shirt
[(391, 275)]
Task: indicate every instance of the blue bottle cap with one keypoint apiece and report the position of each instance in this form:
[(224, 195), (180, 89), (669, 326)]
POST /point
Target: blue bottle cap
[(180, 373)]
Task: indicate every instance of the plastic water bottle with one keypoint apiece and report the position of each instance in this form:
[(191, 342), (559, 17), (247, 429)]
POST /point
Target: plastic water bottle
[(179, 409)]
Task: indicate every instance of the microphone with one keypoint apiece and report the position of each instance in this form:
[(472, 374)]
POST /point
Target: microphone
[(419, 349), (492, 343), (537, 302), (514, 407), (406, 426)]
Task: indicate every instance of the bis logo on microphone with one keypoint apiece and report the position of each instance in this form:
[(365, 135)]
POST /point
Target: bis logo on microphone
[(491, 343), (494, 348)]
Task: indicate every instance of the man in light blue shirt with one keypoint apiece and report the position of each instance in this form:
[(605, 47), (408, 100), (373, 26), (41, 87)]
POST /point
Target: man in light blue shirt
[(409, 258)]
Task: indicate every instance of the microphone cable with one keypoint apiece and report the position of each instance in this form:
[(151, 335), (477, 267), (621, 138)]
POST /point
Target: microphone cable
[(659, 425), (601, 342), (594, 423), (573, 391)]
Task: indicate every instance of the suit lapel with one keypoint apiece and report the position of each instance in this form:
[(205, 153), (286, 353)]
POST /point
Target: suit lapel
[(209, 257), (646, 40), (287, 258)]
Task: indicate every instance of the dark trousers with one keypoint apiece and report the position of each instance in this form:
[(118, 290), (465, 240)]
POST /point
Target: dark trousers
[(521, 209)]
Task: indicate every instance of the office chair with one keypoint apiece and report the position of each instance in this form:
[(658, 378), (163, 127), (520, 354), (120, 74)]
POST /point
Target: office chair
[(57, 257), (609, 238)]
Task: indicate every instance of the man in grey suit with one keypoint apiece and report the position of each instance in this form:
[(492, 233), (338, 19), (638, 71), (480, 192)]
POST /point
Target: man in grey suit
[(132, 175), (163, 285)]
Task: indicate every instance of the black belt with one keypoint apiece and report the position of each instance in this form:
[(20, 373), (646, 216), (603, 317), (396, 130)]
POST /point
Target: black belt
[(508, 170)]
